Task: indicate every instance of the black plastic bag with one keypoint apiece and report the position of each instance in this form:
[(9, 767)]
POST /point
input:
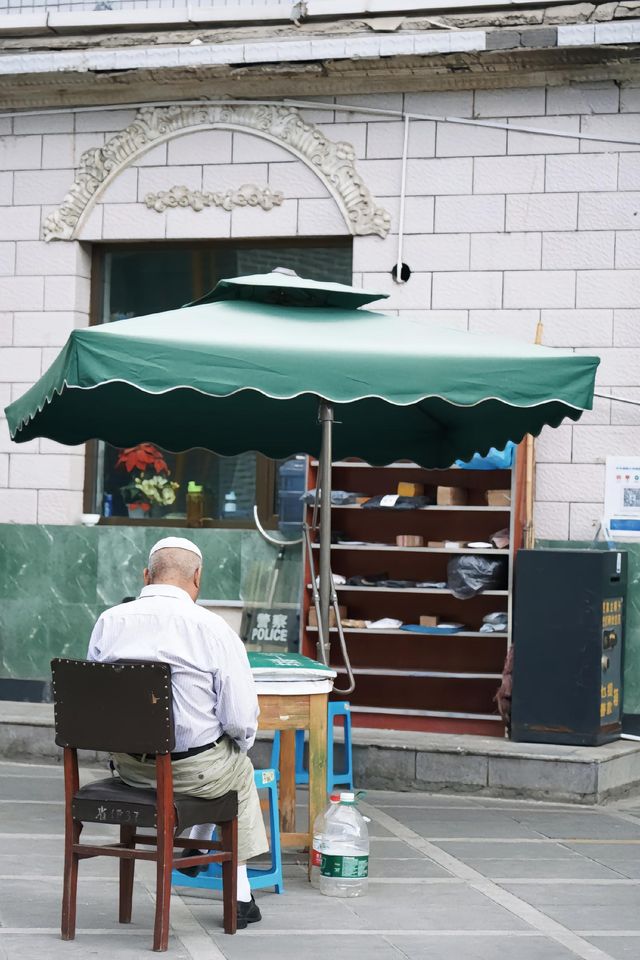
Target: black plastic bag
[(470, 574)]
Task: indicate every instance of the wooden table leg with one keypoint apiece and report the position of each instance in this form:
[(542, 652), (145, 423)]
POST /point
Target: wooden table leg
[(317, 759), (287, 798)]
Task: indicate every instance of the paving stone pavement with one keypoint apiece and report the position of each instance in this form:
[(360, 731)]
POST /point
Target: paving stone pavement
[(452, 878)]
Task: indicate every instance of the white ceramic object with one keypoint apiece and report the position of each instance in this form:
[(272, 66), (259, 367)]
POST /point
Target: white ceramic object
[(90, 519)]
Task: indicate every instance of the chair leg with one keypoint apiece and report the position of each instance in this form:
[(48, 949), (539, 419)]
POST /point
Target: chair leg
[(229, 837), (164, 852), (70, 883), (163, 895), (72, 830), (127, 868)]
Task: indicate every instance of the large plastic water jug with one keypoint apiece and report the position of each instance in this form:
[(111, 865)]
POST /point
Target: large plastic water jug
[(318, 832), (344, 849)]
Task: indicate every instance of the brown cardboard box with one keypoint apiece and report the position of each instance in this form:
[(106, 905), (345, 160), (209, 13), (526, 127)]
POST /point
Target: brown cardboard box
[(410, 489), (436, 544), (409, 540), (429, 621), (452, 496), (498, 498), (313, 620)]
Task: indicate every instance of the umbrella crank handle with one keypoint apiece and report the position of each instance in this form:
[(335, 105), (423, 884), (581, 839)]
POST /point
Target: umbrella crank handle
[(275, 541), (343, 644), (321, 652)]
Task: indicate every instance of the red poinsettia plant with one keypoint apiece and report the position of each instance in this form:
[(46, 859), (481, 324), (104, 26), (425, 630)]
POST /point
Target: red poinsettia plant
[(141, 457), (151, 485)]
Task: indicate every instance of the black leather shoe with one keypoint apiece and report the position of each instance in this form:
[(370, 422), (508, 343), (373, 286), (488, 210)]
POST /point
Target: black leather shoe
[(248, 913), (196, 868)]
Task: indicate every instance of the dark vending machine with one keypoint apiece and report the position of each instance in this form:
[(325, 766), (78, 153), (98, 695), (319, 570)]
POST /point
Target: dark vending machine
[(568, 628)]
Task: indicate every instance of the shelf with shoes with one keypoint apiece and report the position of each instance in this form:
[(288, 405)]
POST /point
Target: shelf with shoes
[(447, 508), (399, 632), (387, 547), (347, 588), (407, 679)]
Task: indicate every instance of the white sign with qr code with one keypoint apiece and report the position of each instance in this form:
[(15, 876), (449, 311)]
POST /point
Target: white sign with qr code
[(622, 497)]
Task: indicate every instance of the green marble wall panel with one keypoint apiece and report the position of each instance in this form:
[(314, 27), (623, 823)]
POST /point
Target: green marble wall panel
[(122, 556), (29, 555), (55, 581), (632, 631), (265, 568)]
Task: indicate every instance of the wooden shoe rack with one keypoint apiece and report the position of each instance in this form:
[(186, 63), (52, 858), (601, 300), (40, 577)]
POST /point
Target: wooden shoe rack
[(404, 680)]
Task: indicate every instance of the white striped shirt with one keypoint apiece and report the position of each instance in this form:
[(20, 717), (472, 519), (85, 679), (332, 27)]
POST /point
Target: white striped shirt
[(213, 688)]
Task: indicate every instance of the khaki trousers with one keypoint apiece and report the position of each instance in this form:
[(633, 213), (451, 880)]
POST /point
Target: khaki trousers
[(209, 775)]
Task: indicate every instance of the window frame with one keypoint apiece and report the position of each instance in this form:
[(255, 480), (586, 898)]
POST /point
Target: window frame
[(265, 468)]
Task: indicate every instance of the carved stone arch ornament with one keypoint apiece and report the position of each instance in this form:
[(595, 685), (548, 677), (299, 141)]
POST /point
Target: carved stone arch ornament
[(333, 163)]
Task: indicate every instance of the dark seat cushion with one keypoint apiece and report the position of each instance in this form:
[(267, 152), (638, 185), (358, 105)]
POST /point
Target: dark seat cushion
[(112, 801)]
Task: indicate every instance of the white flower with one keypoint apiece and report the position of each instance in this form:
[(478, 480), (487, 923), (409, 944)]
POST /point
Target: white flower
[(157, 489)]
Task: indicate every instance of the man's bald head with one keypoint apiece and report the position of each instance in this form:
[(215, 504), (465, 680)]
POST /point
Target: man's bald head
[(173, 562), (175, 566)]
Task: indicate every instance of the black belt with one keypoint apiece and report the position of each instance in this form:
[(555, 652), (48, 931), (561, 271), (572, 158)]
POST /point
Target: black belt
[(192, 752)]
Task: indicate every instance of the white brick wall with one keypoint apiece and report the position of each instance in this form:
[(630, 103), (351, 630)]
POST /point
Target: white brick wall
[(555, 446), (584, 520), (602, 97), (629, 171), (627, 253), (506, 251), (578, 328), (59, 506), (502, 229), (41, 186), (510, 103), (19, 506), (437, 177), (578, 251), (386, 139), (508, 174), (532, 143), (467, 290), (551, 520), (542, 211), (540, 288), (626, 328), (461, 140), (586, 482), (6, 329), (609, 211), (473, 214), (566, 173), (608, 288)]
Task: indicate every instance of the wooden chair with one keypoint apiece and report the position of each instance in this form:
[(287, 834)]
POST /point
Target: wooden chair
[(126, 707)]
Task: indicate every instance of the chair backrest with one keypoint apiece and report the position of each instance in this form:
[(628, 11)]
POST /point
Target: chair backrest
[(123, 707)]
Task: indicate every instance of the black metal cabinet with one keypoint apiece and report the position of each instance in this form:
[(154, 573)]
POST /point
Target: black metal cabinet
[(568, 630)]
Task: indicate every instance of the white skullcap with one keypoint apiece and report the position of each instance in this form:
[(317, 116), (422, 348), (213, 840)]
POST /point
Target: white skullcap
[(175, 543)]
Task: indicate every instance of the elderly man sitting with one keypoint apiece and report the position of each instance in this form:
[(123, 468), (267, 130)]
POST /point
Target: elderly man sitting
[(214, 698)]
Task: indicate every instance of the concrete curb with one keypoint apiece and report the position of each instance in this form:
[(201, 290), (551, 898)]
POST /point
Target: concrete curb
[(392, 760)]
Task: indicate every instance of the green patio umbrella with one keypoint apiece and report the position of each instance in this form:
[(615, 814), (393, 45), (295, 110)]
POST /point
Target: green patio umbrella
[(268, 362)]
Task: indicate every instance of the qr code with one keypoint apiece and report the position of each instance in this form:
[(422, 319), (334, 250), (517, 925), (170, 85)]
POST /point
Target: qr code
[(632, 496)]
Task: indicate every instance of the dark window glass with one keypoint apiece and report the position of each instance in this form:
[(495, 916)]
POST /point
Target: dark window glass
[(150, 483)]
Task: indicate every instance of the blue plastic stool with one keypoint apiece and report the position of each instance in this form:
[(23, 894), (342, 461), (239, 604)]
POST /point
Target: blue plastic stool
[(344, 778), (302, 775), (211, 878), (337, 708)]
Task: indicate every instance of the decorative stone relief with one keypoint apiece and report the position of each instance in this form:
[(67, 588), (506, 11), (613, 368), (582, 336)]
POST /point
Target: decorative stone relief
[(334, 163), (248, 195)]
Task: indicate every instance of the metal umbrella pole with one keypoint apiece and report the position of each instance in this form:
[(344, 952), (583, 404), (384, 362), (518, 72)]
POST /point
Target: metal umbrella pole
[(323, 591), (326, 597), (325, 416)]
